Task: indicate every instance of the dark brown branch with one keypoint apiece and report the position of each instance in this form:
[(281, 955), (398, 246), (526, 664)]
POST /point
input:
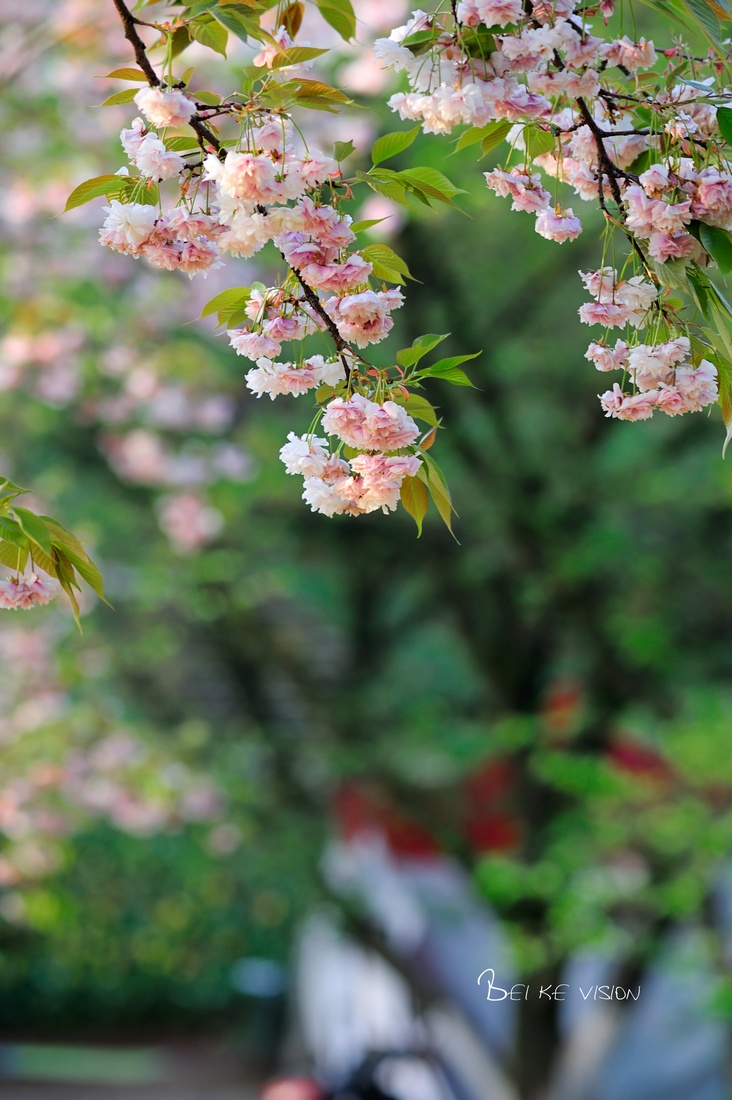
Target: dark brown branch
[(130, 25), (315, 303), (607, 167)]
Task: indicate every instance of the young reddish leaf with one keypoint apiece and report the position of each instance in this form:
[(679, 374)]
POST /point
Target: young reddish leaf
[(291, 18)]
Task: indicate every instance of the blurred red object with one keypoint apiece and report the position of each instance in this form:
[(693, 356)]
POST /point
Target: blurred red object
[(292, 1088), (639, 760), (359, 810)]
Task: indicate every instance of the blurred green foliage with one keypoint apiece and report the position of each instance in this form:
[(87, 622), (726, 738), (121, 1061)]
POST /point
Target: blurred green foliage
[(296, 653)]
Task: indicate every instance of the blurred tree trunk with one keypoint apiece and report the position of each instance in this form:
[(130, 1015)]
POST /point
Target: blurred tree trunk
[(538, 1040)]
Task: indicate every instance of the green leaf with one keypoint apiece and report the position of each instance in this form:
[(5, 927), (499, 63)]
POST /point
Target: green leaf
[(127, 74), (8, 486), (699, 287), (432, 183), (478, 41), (233, 319), (391, 144), (93, 189), (450, 374), (407, 357), (317, 92), (671, 11), (339, 14), (724, 372), (211, 99), (210, 33), (296, 55), (421, 40), (439, 491), (120, 97), (227, 300), (538, 141), (724, 121), (239, 25), (42, 561), (343, 149), (181, 40), (448, 370), (359, 227), (415, 498), (67, 580), (180, 144), (68, 546), (387, 265), (419, 408), (143, 190), (500, 133), (704, 15), (34, 527), (718, 244), (474, 135), (12, 556), (11, 531), (491, 135), (722, 330)]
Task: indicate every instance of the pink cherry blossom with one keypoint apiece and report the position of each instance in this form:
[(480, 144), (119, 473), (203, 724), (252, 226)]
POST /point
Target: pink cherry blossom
[(253, 345), (650, 365), (671, 246), (288, 378), (622, 406), (348, 275), (558, 225), (165, 108), (155, 161), (247, 177), (369, 426), (305, 455), (364, 318), (607, 314), (127, 226), (607, 359), (631, 55), (25, 592), (525, 190)]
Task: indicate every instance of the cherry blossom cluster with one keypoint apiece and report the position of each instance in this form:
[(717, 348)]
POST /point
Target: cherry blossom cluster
[(372, 479), (261, 185), (662, 374), (613, 120)]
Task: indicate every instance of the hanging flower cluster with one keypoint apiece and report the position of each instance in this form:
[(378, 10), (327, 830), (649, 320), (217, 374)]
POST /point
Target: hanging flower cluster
[(215, 177), (642, 132)]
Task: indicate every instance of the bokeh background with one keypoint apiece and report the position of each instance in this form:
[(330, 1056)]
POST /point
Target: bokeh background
[(310, 778)]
